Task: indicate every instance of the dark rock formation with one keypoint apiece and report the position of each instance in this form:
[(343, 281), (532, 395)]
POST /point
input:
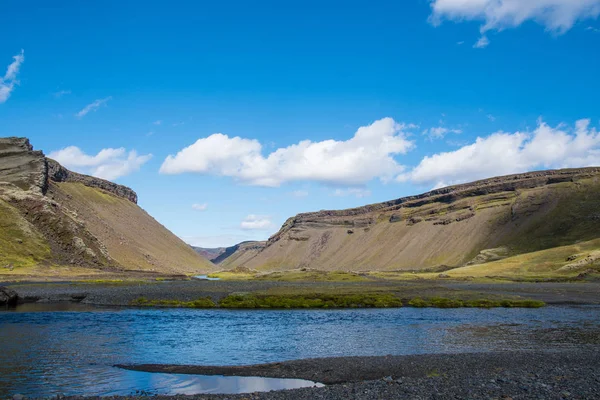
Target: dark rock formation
[(58, 173), (8, 297)]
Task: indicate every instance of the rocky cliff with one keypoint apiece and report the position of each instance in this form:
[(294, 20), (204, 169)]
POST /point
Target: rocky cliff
[(452, 226), (58, 173), (53, 220)]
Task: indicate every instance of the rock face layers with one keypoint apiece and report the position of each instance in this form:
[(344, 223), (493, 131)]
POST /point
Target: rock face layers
[(21, 166), (445, 227), (58, 173), (50, 216)]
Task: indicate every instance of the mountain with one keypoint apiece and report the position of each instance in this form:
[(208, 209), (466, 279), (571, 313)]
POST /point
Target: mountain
[(460, 225), (209, 253), (231, 254), (55, 222)]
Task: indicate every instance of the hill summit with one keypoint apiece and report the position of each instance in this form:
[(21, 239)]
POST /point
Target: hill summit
[(55, 222)]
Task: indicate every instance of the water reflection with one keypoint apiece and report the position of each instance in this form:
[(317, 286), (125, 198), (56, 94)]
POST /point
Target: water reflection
[(45, 353), (206, 278)]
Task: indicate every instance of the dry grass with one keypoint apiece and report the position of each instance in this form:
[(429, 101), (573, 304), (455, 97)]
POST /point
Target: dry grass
[(132, 237), (292, 276)]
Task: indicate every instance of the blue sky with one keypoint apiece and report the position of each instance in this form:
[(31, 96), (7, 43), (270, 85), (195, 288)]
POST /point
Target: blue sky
[(229, 117)]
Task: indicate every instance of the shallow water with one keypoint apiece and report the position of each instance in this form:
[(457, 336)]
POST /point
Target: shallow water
[(71, 351), (206, 278)]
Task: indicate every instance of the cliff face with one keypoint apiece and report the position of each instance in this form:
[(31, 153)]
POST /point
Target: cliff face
[(58, 173), (450, 226), (21, 166), (50, 216)]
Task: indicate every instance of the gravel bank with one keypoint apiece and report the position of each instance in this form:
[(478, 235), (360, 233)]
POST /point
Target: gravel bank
[(569, 374), (124, 293)]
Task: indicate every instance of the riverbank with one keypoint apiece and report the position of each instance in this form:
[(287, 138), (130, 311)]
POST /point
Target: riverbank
[(156, 293), (566, 374)]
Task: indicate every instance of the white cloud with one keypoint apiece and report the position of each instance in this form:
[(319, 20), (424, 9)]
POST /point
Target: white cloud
[(256, 223), (555, 15), (93, 106), (460, 43), (358, 192), (369, 154), (506, 153), (108, 164), (9, 80), (157, 122), (491, 117), (439, 132), (200, 207), (482, 43)]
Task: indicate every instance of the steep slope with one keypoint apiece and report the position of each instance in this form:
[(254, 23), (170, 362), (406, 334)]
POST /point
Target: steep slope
[(209, 253), (239, 254), (51, 217), (476, 222)]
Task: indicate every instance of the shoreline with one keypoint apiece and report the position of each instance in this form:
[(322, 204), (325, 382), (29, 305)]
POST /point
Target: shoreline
[(341, 370), (181, 293), (563, 374)]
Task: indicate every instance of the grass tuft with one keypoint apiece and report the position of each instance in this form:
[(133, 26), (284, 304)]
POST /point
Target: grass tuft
[(203, 302)]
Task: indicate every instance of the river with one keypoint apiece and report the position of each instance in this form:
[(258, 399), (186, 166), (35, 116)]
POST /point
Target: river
[(47, 350)]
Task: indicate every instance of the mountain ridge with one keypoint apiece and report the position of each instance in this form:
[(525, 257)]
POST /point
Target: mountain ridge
[(448, 226), (51, 217)]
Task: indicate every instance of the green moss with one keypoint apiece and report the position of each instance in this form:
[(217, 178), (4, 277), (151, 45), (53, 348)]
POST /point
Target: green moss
[(378, 300), (203, 302), (20, 244), (440, 302)]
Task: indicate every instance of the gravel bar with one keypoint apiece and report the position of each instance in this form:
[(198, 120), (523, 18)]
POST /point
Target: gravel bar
[(123, 294), (571, 374)]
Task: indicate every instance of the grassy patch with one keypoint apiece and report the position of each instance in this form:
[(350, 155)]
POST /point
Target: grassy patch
[(537, 266), (311, 301), (376, 300), (313, 276), (20, 244), (327, 301), (292, 276), (441, 302), (203, 302)]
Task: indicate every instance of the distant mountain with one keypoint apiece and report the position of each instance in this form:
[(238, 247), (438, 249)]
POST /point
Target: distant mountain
[(219, 255), (209, 253), (450, 227), (54, 221)]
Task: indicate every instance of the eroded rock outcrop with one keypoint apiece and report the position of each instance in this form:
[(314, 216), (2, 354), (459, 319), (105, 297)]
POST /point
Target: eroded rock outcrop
[(58, 173), (21, 166)]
